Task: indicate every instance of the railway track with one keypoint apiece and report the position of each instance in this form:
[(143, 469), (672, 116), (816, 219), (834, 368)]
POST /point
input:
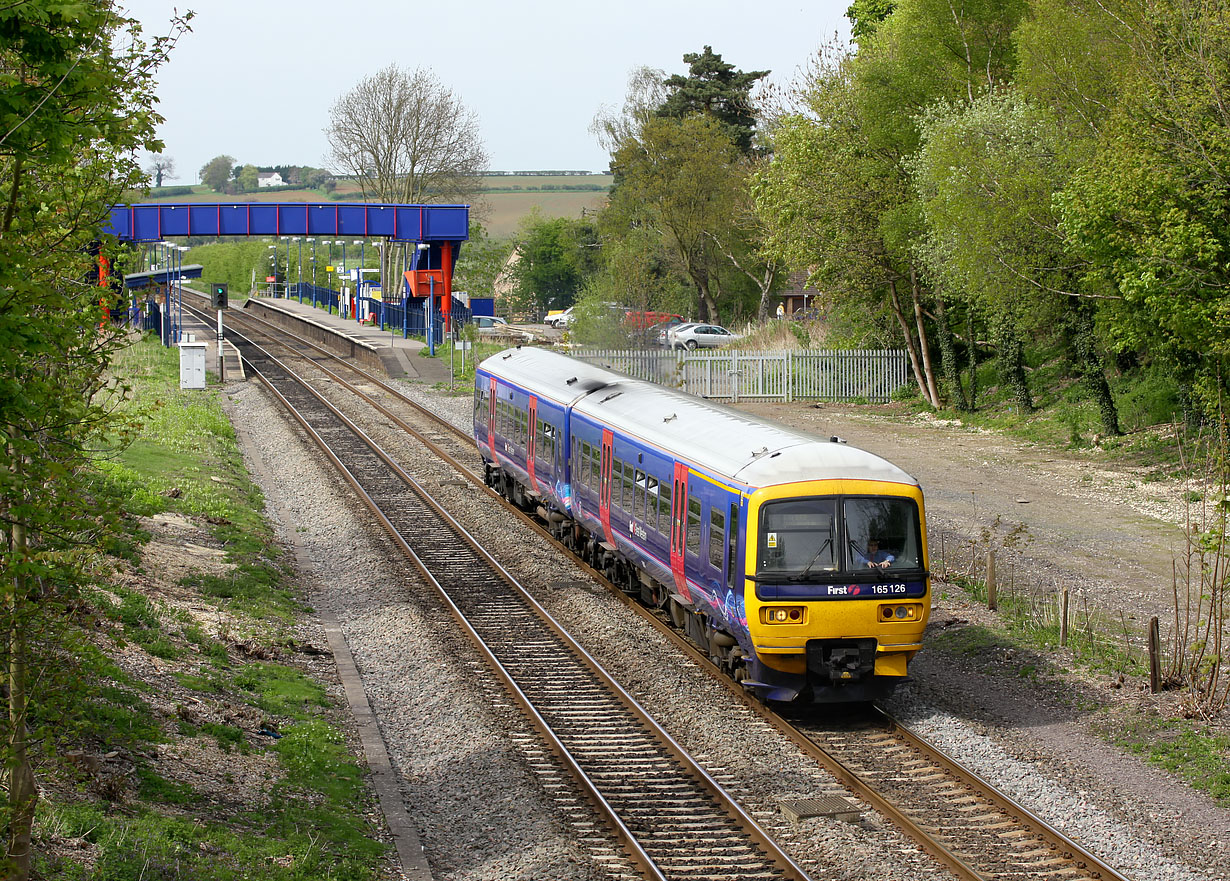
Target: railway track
[(672, 818), (961, 820)]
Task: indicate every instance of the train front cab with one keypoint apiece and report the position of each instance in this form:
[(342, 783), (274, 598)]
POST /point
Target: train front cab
[(825, 626)]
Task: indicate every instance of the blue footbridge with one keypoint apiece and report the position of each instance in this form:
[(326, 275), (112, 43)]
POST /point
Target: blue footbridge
[(425, 300)]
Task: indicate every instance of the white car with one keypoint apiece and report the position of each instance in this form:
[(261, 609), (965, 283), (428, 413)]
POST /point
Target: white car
[(561, 319), (701, 336)]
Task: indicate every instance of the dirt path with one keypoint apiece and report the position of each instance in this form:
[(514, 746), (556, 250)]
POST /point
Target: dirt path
[(1108, 534)]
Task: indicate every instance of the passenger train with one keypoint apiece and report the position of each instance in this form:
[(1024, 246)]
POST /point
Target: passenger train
[(758, 539)]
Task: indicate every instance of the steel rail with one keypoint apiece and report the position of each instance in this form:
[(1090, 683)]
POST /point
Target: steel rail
[(1073, 851), (644, 861)]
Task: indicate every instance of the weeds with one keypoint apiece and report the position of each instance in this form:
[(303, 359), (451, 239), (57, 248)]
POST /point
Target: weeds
[(303, 817)]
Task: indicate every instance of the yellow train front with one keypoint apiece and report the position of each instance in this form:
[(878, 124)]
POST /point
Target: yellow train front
[(837, 591), (798, 563)]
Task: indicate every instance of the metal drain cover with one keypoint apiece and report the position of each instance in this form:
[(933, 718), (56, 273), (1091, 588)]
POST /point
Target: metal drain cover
[(835, 806)]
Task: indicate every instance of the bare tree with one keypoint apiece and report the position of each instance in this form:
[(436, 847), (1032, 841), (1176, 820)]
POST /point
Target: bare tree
[(407, 139), (161, 166)]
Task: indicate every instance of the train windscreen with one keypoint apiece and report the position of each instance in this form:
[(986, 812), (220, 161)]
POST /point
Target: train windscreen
[(817, 537)]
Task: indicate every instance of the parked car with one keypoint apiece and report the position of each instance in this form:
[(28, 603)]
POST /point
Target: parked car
[(560, 319), (702, 336), (494, 326), (657, 334), (667, 336)]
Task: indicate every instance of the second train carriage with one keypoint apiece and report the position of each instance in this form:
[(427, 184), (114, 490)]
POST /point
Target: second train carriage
[(756, 537)]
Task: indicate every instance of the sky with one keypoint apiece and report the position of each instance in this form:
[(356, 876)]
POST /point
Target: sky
[(255, 79)]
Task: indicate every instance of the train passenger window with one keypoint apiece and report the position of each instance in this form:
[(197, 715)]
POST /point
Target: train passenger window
[(480, 407), (717, 537), (890, 522), (587, 453), (694, 525), (664, 508), (797, 537)]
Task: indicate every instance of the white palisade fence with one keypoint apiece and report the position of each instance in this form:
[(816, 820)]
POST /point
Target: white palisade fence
[(794, 375)]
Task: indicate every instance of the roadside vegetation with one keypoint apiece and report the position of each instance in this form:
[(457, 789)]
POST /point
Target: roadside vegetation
[(183, 730)]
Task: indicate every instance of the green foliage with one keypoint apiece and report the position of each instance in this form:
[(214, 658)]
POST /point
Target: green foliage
[(1195, 752), (554, 258), (680, 178), (216, 173), (279, 689), (715, 88), (865, 16), (240, 261), (1147, 213)]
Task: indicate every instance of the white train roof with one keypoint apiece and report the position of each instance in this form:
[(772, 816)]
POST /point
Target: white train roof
[(550, 374), (726, 441)]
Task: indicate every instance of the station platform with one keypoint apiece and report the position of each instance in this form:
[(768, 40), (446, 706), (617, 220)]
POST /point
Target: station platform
[(374, 348)]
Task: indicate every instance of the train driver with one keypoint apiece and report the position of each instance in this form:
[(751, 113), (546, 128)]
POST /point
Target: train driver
[(874, 558)]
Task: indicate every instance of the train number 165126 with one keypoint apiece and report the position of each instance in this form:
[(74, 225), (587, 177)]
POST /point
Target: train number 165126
[(888, 589)]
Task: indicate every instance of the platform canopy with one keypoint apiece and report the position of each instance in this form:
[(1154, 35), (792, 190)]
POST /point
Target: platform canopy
[(162, 276), (153, 222)]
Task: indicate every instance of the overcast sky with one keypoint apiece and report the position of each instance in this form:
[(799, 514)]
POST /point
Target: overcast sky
[(255, 78)]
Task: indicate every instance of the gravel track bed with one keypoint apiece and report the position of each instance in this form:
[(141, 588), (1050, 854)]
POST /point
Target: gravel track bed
[(479, 809)]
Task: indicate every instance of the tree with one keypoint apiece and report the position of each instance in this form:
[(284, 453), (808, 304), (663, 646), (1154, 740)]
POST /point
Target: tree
[(1148, 214), (987, 173), (216, 173), (680, 178), (407, 138), (70, 133), (713, 87), (484, 259), (866, 15), (161, 166), (556, 256), (248, 179)]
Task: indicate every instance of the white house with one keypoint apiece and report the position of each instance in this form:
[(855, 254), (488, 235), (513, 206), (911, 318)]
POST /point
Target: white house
[(268, 179)]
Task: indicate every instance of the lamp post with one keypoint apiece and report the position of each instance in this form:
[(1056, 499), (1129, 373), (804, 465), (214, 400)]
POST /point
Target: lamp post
[(312, 241), (179, 299), (299, 281)]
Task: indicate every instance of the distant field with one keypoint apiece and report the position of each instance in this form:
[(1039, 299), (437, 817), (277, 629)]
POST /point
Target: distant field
[(509, 197), (507, 209)]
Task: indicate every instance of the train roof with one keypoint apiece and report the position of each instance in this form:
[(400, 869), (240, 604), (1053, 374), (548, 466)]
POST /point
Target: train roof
[(550, 374), (729, 442)]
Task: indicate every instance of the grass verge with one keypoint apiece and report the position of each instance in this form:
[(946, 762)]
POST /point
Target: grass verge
[(186, 731)]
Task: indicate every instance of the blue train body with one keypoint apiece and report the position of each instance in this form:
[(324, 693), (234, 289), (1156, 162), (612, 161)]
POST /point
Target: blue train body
[(755, 537)]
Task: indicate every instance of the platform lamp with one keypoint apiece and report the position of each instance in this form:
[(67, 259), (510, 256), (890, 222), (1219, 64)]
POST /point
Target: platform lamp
[(179, 299), (299, 279), (312, 242)]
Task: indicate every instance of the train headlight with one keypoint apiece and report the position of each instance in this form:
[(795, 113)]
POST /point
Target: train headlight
[(902, 612), (782, 614)]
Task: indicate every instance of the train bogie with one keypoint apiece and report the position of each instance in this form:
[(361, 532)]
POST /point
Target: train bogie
[(798, 564)]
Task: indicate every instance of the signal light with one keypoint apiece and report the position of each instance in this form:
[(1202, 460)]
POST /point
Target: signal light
[(218, 295)]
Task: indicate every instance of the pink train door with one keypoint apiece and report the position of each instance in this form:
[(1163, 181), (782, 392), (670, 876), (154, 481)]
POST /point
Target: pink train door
[(604, 485), (491, 410), (531, 444), (679, 529)]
